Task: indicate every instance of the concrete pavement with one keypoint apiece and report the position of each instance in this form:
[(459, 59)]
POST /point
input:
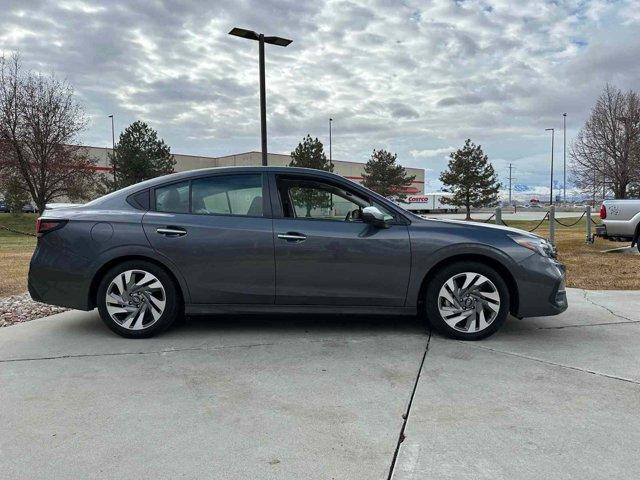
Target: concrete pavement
[(553, 397), (323, 397)]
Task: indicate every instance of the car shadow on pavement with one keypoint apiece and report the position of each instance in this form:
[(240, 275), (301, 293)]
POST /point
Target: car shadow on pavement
[(87, 324), (297, 322), (518, 330)]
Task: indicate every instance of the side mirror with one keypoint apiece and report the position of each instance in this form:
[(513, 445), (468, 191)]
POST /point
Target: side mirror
[(375, 217)]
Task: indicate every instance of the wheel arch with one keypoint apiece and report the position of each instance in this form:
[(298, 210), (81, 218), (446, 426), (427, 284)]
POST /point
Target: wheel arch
[(99, 274), (498, 266)]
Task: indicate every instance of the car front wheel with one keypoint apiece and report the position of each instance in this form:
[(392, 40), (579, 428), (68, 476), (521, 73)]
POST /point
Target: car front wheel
[(467, 300), (138, 299)]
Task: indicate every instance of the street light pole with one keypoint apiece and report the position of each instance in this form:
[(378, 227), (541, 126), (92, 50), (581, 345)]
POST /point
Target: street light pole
[(263, 100), (510, 178), (113, 150), (564, 138), (553, 132), (282, 42), (330, 153)]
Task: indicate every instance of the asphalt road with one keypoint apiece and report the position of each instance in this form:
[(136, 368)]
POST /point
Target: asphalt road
[(324, 397)]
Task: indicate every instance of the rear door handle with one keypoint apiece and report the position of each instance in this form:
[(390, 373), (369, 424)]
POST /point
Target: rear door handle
[(292, 237), (171, 231)]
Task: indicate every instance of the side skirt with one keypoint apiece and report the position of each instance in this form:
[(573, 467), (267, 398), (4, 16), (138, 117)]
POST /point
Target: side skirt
[(208, 309)]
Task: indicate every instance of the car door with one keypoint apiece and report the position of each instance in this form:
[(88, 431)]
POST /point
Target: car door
[(218, 231), (325, 255)]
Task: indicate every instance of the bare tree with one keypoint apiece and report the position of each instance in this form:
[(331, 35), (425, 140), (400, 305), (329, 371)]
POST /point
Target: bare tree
[(605, 154), (39, 126)]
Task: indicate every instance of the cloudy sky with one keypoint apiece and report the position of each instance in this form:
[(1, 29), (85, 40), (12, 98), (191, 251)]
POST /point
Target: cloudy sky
[(415, 77)]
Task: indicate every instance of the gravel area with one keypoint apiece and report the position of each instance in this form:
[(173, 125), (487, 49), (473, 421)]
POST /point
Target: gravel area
[(20, 308)]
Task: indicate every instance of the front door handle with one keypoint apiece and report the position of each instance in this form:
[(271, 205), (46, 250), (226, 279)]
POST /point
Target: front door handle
[(171, 231), (292, 237)]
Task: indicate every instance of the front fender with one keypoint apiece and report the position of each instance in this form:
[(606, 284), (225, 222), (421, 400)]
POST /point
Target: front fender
[(423, 264)]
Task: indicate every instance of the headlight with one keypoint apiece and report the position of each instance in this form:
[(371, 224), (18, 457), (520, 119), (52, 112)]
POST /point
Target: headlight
[(539, 246)]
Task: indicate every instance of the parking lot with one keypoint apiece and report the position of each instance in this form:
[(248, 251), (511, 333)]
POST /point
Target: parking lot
[(320, 397)]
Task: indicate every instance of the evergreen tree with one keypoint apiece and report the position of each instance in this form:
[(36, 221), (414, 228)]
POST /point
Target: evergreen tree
[(139, 156), (384, 176), (310, 154), (471, 179)]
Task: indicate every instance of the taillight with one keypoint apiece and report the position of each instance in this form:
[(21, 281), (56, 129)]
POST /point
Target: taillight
[(603, 212), (46, 225)]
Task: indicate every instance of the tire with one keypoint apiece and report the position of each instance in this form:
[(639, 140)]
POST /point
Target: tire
[(138, 299), (470, 313)]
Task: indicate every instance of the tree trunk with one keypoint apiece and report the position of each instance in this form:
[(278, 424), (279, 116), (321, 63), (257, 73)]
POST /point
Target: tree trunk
[(40, 204), (468, 207), (620, 191)]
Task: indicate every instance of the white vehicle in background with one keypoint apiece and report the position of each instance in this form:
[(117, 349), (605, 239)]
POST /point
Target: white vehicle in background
[(53, 206), (428, 203), (621, 219)]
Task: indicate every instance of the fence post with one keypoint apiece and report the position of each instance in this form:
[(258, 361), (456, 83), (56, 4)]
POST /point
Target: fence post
[(588, 215), (552, 224), (498, 220)]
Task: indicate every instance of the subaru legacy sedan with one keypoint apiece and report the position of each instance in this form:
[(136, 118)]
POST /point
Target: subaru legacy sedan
[(282, 239)]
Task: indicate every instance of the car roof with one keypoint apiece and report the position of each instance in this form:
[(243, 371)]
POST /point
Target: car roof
[(188, 174), (234, 169)]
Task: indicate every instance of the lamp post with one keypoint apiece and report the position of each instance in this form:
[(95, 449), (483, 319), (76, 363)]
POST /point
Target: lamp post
[(553, 132), (510, 180), (330, 154), (281, 42), (113, 150), (564, 138)]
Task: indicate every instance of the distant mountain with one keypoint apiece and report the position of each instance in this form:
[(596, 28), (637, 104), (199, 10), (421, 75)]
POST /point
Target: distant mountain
[(521, 187)]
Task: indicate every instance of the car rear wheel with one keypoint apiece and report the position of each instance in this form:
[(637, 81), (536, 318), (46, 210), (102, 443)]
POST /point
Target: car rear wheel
[(467, 300), (138, 299)]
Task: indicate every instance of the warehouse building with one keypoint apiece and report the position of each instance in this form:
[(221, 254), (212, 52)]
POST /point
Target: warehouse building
[(351, 170)]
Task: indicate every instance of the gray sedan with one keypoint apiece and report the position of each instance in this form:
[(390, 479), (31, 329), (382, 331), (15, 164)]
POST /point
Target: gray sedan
[(280, 239)]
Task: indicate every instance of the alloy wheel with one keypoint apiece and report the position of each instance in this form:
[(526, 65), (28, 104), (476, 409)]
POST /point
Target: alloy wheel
[(469, 302), (135, 299)]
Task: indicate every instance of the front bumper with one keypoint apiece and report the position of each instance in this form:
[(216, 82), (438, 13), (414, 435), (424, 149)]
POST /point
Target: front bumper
[(542, 287)]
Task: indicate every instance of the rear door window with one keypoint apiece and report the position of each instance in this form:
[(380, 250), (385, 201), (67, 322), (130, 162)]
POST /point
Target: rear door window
[(173, 198), (228, 195)]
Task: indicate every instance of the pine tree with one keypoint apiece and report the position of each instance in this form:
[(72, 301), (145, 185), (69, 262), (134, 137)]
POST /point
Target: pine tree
[(471, 179), (384, 176), (139, 156), (310, 154)]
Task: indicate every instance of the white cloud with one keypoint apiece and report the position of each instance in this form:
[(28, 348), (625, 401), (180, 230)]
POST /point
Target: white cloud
[(432, 152), (407, 76)]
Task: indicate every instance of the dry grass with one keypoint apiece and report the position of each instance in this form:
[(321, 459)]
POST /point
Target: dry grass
[(587, 266), (15, 253)]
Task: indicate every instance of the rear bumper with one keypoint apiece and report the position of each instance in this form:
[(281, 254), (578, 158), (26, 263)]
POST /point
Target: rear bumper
[(617, 235), (56, 277), (542, 287), (601, 231)]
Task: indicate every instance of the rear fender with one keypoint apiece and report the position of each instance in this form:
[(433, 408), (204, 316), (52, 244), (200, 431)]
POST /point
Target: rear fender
[(115, 255)]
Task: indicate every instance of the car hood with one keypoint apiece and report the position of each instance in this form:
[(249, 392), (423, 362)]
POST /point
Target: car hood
[(481, 225)]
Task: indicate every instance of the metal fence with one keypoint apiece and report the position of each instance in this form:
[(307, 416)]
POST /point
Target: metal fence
[(550, 217)]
